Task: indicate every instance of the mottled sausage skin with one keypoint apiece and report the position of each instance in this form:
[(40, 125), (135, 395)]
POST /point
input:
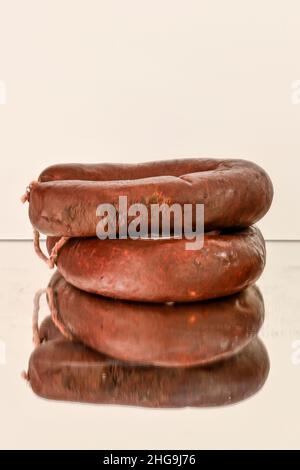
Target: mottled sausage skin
[(149, 270), (65, 370), (235, 193), (160, 334)]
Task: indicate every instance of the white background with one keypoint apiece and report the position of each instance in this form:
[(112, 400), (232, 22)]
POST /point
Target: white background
[(138, 80)]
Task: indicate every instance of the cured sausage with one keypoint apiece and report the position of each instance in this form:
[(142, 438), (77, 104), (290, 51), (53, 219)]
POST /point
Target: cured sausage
[(121, 171), (159, 334), (64, 370), (149, 270), (235, 193)]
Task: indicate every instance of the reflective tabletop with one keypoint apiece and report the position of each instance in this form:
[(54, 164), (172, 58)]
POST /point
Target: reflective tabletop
[(269, 418)]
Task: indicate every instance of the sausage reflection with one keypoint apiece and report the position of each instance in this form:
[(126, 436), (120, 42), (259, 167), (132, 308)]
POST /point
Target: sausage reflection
[(159, 334), (66, 370)]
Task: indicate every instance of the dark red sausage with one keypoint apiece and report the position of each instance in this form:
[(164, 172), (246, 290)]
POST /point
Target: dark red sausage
[(125, 171), (64, 370), (163, 270), (235, 193), (163, 335)]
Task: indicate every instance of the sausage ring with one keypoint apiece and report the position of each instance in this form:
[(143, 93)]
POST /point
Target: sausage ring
[(159, 334), (235, 193), (66, 370), (149, 270)]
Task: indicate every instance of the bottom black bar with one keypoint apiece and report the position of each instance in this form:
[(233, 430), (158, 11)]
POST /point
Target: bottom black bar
[(136, 458)]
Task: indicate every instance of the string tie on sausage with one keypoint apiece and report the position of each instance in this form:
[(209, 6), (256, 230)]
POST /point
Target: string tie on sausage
[(37, 338), (25, 197), (54, 252), (55, 316)]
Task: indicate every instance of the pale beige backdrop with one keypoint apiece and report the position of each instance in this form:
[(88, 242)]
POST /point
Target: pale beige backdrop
[(136, 80)]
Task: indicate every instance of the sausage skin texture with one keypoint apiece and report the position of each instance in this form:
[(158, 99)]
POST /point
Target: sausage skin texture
[(162, 270), (159, 334), (235, 193), (66, 370)]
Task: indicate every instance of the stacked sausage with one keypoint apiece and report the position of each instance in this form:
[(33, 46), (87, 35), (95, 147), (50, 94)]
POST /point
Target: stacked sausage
[(146, 321)]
